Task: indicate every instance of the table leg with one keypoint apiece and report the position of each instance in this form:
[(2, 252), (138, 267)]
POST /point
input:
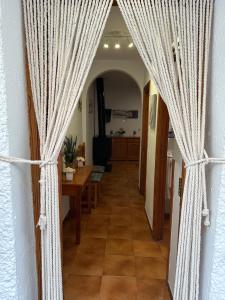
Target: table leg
[(77, 202)]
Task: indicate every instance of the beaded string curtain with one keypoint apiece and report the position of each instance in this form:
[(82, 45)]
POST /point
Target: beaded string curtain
[(173, 39), (62, 37)]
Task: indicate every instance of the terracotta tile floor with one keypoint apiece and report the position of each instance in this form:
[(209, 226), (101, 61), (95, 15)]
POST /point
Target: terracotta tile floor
[(117, 258)]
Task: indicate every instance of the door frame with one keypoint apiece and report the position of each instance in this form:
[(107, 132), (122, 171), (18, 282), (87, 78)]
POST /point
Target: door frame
[(35, 175), (160, 169), (171, 214), (144, 138)]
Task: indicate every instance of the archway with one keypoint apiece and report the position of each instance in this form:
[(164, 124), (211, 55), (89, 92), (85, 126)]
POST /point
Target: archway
[(119, 84)]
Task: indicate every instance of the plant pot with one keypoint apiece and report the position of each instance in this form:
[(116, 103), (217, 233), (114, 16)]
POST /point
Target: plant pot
[(72, 165), (69, 176)]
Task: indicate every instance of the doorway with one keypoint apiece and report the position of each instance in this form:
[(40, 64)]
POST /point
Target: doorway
[(116, 242), (118, 257)]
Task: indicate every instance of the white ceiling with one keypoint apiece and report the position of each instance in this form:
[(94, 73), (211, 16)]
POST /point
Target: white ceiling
[(116, 32)]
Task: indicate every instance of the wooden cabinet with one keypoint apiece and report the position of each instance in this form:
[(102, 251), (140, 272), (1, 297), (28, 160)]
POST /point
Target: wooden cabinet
[(125, 148), (119, 148), (133, 148)]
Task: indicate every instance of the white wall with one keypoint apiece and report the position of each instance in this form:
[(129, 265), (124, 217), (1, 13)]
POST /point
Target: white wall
[(75, 128), (7, 241), (134, 68), (18, 278), (122, 93), (173, 148), (213, 244)]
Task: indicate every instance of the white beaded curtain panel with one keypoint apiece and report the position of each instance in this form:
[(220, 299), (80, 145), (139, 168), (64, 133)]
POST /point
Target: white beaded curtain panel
[(173, 39), (62, 37)]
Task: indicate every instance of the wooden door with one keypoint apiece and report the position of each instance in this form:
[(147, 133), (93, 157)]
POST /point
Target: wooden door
[(35, 173), (144, 139), (160, 169)]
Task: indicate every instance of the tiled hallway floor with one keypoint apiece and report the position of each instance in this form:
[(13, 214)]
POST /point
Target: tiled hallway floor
[(117, 258)]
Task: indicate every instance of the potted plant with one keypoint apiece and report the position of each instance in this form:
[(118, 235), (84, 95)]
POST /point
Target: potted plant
[(69, 151)]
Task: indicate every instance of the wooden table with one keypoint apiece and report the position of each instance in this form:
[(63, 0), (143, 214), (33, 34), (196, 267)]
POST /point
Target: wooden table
[(75, 189)]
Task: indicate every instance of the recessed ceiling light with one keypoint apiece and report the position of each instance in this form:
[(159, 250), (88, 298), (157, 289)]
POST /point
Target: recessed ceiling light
[(106, 46), (131, 45), (117, 46)]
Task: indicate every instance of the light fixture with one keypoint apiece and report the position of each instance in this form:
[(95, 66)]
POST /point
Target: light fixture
[(106, 46), (117, 46), (131, 45)]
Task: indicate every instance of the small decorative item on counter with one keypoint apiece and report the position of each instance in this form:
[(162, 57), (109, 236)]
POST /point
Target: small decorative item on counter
[(80, 161), (120, 131), (134, 132), (69, 173)]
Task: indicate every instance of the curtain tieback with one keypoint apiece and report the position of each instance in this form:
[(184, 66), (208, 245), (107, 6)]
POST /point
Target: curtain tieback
[(41, 163), (203, 162), (42, 222)]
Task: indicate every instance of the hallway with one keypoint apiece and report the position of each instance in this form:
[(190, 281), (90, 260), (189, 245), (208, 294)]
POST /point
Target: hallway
[(117, 258)]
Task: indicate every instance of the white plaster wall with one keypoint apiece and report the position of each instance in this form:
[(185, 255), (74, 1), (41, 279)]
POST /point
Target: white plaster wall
[(75, 128), (173, 148), (213, 245), (20, 177), (8, 286), (134, 68), (122, 93)]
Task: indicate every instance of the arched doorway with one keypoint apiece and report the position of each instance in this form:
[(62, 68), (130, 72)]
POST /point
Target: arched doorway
[(122, 93)]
